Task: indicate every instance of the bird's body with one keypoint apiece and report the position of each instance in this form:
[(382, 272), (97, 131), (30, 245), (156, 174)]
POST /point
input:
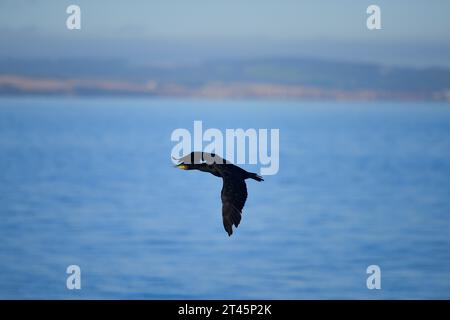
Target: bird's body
[(234, 190)]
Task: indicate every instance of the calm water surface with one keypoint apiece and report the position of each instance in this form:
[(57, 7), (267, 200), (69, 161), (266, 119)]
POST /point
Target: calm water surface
[(90, 182)]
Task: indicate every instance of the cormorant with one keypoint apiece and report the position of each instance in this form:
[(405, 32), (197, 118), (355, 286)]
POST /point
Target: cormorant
[(234, 190)]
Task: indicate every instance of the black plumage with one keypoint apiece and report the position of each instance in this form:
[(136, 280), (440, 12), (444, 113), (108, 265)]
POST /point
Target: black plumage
[(234, 190)]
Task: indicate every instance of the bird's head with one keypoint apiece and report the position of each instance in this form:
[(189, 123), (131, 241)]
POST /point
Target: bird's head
[(185, 166), (190, 161), (202, 161)]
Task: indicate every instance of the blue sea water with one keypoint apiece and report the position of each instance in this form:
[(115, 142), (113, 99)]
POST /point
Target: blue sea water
[(90, 182)]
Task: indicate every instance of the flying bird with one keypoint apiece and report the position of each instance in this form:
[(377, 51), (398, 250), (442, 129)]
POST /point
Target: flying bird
[(234, 190)]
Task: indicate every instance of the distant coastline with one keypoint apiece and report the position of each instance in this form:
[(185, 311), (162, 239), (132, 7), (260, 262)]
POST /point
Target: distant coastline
[(22, 86), (296, 79)]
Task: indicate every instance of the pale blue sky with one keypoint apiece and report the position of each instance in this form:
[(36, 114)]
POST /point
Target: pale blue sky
[(416, 26)]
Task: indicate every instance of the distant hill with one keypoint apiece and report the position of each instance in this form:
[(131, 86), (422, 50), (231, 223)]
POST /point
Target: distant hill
[(262, 78)]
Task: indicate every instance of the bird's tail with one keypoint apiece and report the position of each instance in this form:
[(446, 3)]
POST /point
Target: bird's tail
[(254, 176)]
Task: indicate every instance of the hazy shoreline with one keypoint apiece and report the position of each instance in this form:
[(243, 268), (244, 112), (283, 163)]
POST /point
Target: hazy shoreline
[(25, 86)]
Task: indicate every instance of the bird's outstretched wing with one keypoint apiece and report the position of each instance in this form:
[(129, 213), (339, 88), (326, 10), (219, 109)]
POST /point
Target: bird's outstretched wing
[(234, 194)]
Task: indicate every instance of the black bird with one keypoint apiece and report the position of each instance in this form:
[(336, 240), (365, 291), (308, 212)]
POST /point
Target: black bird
[(234, 190)]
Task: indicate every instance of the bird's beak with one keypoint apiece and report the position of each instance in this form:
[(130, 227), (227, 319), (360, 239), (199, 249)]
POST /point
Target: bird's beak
[(182, 166)]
